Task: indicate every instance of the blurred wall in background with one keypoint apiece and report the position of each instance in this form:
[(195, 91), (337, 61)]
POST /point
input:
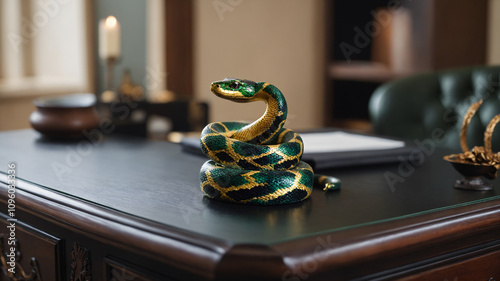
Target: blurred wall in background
[(45, 50), (279, 41), (493, 55)]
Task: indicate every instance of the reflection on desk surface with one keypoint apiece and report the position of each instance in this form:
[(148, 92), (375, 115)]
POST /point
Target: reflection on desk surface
[(158, 182)]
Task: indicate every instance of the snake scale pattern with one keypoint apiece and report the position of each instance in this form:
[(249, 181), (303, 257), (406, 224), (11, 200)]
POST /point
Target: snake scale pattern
[(258, 163)]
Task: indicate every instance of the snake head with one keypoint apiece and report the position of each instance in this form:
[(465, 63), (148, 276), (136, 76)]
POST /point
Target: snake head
[(239, 90)]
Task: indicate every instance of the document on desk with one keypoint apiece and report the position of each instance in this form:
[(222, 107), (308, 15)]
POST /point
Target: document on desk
[(326, 150), (341, 141)]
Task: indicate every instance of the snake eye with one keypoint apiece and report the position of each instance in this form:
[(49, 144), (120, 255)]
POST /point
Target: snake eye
[(235, 85)]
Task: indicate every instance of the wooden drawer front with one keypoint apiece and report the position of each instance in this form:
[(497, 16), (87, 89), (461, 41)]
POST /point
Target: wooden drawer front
[(482, 268), (37, 253), (118, 270)]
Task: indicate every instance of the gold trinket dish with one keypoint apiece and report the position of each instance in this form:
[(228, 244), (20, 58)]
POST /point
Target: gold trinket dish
[(480, 162)]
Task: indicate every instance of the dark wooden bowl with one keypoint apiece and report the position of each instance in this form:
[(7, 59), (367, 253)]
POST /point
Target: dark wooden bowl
[(66, 116), (475, 170), (473, 174)]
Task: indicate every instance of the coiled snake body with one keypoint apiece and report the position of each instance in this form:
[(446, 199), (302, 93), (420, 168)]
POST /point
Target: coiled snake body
[(258, 163)]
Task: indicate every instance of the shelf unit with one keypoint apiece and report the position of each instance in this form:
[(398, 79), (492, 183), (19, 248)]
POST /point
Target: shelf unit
[(371, 43)]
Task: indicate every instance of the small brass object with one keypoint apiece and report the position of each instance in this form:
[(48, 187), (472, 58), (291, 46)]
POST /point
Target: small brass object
[(128, 91), (478, 163)]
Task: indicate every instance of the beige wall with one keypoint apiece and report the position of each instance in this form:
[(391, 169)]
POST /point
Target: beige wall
[(278, 41), (493, 54), (15, 112), (47, 71)]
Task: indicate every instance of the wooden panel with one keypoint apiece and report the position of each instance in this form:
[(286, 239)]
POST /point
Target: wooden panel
[(423, 19), (328, 119), (37, 253), (486, 267), (179, 47), (2, 35), (459, 33), (117, 270), (413, 245), (144, 239)]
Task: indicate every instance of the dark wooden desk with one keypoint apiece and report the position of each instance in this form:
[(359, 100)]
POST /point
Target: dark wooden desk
[(130, 208)]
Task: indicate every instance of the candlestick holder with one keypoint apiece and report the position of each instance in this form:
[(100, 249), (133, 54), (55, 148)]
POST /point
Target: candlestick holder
[(109, 94)]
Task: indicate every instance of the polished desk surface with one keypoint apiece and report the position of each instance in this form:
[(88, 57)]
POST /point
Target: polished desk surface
[(158, 182)]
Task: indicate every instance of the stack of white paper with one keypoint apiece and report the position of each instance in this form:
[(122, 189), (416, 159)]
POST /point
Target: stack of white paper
[(342, 141)]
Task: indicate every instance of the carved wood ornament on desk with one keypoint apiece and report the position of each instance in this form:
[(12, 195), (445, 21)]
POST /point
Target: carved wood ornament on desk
[(18, 273), (80, 264)]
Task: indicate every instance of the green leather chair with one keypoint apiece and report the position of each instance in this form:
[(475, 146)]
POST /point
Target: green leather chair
[(431, 106)]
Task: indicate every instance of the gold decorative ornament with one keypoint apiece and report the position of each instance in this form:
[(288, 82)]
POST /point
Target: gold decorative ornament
[(129, 91), (479, 162)]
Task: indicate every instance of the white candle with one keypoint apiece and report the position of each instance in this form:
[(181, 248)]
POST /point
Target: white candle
[(109, 38)]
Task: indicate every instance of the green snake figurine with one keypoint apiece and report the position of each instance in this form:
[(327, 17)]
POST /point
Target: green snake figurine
[(258, 163)]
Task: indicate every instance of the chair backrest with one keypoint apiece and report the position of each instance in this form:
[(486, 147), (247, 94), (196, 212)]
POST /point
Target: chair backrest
[(431, 106)]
